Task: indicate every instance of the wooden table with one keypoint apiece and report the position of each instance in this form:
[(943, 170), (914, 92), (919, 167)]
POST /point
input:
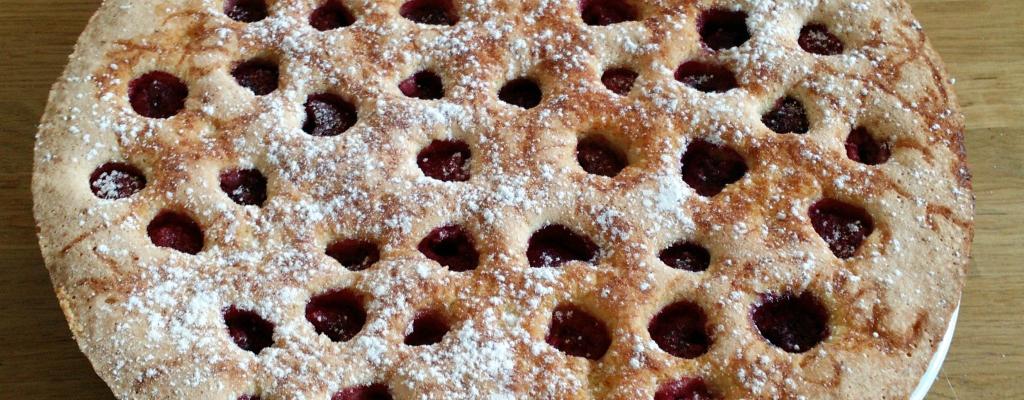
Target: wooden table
[(981, 41)]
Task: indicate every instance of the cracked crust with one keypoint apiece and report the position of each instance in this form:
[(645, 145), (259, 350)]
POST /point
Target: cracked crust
[(149, 318)]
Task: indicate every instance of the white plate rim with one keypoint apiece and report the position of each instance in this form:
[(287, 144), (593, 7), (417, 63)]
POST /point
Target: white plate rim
[(935, 365)]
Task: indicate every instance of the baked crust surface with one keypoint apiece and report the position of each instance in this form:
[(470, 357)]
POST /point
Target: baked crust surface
[(151, 319)]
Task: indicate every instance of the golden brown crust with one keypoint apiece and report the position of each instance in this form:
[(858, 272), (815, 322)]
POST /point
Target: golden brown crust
[(149, 318)]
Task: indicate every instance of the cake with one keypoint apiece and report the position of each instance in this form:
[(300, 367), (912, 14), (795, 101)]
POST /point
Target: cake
[(494, 199)]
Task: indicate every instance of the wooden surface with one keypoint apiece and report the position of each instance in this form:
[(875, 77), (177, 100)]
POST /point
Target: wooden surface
[(981, 41)]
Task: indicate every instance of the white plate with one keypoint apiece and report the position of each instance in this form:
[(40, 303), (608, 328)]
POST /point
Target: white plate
[(936, 364)]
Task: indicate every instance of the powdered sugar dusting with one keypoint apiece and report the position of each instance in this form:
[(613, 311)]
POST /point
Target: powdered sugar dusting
[(152, 319)]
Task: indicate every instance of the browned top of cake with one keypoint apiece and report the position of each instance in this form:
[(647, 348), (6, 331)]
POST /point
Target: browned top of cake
[(469, 199)]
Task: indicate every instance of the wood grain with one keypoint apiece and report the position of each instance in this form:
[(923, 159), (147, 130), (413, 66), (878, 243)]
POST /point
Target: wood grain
[(981, 41)]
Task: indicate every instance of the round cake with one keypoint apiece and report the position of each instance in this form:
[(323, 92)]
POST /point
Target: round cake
[(500, 199)]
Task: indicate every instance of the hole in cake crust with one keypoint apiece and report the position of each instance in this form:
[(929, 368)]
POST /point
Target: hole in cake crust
[(687, 256), (680, 330), (788, 115), (246, 10), (376, 391), (424, 85), (249, 397), (598, 156), (862, 147), (709, 168), (427, 328), (723, 29), (247, 187), (430, 12), (339, 314), (790, 322), (578, 333), (606, 12), (116, 180), (259, 76), (705, 77), (331, 15), (554, 245), (354, 254), (452, 247), (619, 80), (445, 160), (684, 389), (817, 39), (843, 226), (248, 329), (521, 92), (157, 94), (328, 115), (176, 231)]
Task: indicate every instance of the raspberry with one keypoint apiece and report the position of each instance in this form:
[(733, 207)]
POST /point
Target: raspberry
[(708, 78), (843, 226), (331, 15), (862, 147), (684, 389), (427, 328), (816, 39), (354, 254), (555, 245), (328, 115), (115, 180), (157, 94), (787, 116), (597, 156), (247, 187), (430, 12), (794, 323), (606, 12), (452, 247), (375, 391), (246, 10), (424, 85), (709, 168), (248, 330), (260, 76), (339, 314), (176, 231), (577, 333), (445, 160), (521, 92), (680, 329), (686, 256), (619, 80), (723, 29)]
